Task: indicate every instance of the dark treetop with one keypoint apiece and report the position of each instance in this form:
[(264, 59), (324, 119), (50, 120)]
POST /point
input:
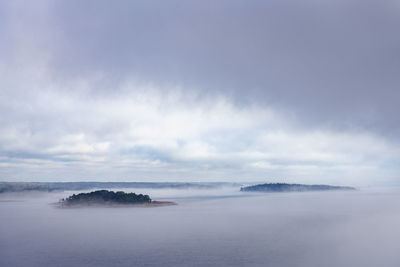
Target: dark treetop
[(106, 197), (282, 187)]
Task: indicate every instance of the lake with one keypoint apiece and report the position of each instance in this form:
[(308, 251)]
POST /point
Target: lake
[(213, 227)]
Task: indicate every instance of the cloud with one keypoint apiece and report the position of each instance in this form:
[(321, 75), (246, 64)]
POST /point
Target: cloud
[(331, 63), (162, 136), (227, 90)]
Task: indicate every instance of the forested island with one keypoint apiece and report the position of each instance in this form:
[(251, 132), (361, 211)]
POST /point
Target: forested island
[(110, 198), (283, 187)]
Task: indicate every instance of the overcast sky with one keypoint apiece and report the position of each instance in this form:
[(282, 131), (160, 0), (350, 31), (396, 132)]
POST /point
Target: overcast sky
[(294, 91)]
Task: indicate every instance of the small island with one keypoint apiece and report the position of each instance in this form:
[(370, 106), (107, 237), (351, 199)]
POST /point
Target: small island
[(283, 187), (111, 198)]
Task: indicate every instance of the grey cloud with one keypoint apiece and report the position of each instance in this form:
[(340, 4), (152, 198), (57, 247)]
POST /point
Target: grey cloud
[(149, 153), (330, 63)]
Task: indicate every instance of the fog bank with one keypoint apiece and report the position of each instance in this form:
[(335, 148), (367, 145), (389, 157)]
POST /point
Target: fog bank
[(220, 227)]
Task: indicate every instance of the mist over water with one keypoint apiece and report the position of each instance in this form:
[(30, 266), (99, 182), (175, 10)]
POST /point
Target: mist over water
[(209, 227)]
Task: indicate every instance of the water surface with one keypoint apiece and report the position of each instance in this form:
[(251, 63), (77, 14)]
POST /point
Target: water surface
[(217, 227)]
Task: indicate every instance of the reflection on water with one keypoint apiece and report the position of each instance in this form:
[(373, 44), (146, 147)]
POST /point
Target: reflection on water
[(216, 227)]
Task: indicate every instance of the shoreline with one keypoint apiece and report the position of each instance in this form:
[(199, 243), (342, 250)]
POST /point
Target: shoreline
[(153, 204)]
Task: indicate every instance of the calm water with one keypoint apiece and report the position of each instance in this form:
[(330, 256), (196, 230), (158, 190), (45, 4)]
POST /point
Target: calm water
[(208, 228)]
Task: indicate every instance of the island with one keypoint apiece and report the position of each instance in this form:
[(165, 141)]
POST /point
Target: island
[(111, 198), (283, 187)]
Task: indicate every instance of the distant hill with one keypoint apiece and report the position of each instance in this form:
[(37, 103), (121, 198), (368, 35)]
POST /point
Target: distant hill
[(283, 187), (106, 197), (75, 186)]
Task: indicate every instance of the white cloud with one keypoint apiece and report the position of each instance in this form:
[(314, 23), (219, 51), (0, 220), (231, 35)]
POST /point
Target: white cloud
[(147, 134)]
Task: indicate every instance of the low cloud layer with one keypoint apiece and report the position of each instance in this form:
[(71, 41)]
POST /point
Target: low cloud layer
[(158, 136), (200, 91)]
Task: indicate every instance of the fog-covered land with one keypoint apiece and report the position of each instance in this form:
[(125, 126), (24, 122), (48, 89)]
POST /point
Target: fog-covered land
[(283, 187), (63, 186)]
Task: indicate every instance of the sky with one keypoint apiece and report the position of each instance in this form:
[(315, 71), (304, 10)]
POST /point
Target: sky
[(241, 91)]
